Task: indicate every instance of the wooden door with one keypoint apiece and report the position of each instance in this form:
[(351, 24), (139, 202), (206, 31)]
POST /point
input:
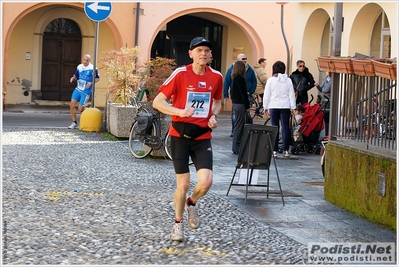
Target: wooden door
[(61, 55), (70, 60)]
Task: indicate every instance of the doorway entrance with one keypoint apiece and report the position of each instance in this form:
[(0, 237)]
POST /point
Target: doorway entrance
[(173, 40), (62, 45)]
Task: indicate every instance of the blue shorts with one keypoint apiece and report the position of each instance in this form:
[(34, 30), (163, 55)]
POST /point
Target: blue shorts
[(80, 97)]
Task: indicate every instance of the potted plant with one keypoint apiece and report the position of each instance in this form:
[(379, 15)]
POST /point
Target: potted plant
[(157, 70), (123, 72), (155, 73), (385, 67), (120, 67)]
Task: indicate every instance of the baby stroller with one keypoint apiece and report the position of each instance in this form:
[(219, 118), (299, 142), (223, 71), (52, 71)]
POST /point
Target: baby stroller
[(306, 137)]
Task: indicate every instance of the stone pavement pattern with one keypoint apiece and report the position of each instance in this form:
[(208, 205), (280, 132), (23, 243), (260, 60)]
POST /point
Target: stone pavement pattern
[(72, 197)]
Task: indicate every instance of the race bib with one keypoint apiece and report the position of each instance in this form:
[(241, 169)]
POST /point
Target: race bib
[(200, 102), (81, 84)]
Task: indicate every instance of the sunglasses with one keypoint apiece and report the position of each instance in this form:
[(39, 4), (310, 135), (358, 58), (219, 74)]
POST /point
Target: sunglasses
[(244, 58), (301, 66)]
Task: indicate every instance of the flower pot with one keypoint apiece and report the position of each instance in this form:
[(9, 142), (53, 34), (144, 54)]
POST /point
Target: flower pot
[(120, 119), (325, 64), (363, 67), (335, 64), (343, 65), (385, 68)]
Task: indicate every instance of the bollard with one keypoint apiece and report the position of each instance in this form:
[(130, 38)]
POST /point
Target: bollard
[(90, 120)]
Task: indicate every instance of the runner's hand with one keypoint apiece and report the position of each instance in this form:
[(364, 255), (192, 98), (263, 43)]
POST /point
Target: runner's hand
[(212, 123), (187, 112)]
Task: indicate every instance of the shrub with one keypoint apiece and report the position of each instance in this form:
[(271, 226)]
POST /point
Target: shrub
[(123, 71), (157, 70)]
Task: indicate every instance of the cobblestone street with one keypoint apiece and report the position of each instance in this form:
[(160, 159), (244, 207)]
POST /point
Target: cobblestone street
[(73, 197)]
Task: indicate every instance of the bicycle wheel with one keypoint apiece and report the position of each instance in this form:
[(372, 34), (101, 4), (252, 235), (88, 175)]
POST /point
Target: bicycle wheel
[(268, 122), (254, 108), (137, 144), (167, 146), (167, 149)]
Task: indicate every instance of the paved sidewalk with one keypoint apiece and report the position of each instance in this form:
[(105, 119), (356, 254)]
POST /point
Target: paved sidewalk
[(114, 209)]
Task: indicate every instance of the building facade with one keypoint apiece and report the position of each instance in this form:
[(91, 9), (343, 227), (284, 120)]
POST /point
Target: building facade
[(43, 42)]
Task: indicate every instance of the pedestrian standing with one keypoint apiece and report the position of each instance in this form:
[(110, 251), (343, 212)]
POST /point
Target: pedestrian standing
[(325, 88), (303, 81), (84, 86), (250, 79), (279, 103), (196, 93), (239, 98), (261, 78)]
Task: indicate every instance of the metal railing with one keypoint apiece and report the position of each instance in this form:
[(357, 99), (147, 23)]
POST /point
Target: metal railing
[(364, 110)]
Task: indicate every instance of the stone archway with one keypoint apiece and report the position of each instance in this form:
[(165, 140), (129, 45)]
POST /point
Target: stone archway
[(366, 31), (56, 87), (174, 39), (248, 36)]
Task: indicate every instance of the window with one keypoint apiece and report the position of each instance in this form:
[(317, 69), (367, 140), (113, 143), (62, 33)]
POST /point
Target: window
[(63, 26)]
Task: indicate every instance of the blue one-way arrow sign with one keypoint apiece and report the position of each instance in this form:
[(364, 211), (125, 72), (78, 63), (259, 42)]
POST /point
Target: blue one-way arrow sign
[(98, 11)]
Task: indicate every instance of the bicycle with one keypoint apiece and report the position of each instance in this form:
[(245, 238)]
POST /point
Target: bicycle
[(141, 144), (255, 109)]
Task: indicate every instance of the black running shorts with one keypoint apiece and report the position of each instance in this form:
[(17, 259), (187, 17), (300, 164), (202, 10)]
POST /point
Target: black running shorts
[(200, 152)]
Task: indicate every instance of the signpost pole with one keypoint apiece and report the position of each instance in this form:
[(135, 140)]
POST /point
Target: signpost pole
[(90, 119), (96, 11), (95, 62)]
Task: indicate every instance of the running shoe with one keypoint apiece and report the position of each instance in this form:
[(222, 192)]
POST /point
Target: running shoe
[(193, 219), (286, 154), (74, 125), (177, 232), (275, 154)]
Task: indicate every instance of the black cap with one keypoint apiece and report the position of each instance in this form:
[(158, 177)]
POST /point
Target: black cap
[(197, 41)]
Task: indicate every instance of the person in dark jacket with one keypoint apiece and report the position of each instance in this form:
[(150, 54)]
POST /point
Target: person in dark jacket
[(239, 98), (303, 81), (250, 79)]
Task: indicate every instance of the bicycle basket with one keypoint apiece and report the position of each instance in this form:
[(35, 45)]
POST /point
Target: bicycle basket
[(144, 123)]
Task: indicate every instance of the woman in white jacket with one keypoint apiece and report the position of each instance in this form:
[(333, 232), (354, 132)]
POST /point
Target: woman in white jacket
[(279, 103)]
